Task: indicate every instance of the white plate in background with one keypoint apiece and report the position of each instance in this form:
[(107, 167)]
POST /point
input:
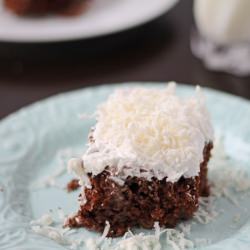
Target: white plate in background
[(103, 17)]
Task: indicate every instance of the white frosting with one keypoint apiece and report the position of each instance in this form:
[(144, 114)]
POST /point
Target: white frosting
[(75, 165), (152, 130)]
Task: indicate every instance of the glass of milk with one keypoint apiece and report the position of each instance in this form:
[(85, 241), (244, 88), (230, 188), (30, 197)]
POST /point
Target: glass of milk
[(222, 39)]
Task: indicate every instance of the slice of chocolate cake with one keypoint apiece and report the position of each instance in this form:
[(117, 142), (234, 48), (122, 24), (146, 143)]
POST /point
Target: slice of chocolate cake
[(44, 7), (146, 161)]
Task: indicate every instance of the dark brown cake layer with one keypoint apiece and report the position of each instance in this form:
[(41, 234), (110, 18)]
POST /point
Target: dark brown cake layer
[(41, 7), (139, 202), (204, 186)]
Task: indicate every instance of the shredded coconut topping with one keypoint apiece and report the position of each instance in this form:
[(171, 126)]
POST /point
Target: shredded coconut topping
[(148, 133)]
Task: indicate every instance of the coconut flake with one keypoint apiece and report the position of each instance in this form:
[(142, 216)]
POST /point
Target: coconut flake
[(105, 233), (52, 233), (153, 128), (75, 165), (185, 228), (117, 180), (206, 212), (177, 241), (137, 242), (44, 220), (157, 230)]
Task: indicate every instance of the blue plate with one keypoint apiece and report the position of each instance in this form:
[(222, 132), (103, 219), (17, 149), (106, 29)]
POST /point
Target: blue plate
[(33, 138)]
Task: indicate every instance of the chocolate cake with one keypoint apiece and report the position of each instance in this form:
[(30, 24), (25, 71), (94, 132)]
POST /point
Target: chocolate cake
[(42, 7), (155, 172), (73, 185)]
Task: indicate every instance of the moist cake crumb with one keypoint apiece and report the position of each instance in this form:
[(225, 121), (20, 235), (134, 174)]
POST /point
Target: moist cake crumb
[(160, 200), (73, 185)]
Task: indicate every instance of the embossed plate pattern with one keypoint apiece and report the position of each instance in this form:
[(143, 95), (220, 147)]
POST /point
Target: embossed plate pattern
[(31, 138)]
